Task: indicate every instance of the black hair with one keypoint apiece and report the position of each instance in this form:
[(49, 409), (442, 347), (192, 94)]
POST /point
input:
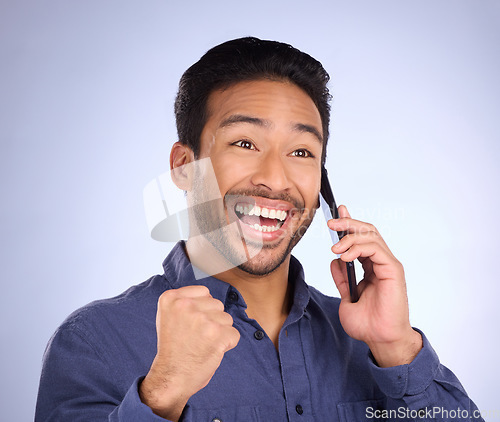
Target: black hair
[(246, 59)]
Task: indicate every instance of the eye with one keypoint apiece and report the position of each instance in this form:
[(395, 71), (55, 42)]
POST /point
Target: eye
[(244, 143), (302, 153)]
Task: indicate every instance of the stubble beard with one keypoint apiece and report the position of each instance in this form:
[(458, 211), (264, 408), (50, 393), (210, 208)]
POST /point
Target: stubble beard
[(210, 218)]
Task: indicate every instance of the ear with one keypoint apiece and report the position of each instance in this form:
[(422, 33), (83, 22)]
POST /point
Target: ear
[(180, 155)]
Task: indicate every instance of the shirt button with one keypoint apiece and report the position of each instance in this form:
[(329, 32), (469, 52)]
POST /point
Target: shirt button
[(259, 334), (233, 297), (299, 409)]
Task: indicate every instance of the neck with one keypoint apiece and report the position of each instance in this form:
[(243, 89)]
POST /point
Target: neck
[(268, 297)]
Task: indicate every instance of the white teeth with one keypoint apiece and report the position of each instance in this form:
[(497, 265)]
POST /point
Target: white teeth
[(281, 215), (264, 229), (264, 212)]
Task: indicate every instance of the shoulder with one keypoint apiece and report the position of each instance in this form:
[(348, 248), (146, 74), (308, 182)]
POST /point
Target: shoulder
[(134, 306), (121, 328)]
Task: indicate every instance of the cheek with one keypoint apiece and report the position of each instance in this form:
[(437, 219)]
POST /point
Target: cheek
[(230, 171), (308, 185)]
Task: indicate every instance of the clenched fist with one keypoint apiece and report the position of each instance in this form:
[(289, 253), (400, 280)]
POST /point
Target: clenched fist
[(193, 332)]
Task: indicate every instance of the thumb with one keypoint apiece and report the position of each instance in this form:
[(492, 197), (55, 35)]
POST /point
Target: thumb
[(339, 274)]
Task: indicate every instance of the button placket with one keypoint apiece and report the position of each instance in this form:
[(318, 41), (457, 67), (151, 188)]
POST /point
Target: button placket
[(297, 399)]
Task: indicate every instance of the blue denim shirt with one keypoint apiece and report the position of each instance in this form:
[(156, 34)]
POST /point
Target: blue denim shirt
[(95, 361)]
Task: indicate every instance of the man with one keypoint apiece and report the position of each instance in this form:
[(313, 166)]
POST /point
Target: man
[(253, 342)]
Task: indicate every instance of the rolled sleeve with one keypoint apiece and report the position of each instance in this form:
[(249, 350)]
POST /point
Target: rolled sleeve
[(132, 409), (425, 386), (411, 379)]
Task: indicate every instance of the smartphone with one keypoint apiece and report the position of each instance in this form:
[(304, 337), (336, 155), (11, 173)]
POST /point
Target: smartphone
[(330, 211)]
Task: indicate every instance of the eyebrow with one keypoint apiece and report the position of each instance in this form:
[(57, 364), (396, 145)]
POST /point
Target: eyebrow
[(241, 118), (300, 127)]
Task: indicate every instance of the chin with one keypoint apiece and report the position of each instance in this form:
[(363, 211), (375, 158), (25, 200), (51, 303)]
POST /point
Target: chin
[(268, 259), (260, 268)]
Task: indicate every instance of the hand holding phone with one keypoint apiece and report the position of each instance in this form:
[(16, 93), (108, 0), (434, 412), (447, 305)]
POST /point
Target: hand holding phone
[(330, 211)]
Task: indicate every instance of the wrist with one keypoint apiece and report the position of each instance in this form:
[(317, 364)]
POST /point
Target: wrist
[(400, 352), (162, 398)]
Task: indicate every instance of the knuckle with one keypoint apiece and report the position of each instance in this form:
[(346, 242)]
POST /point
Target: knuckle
[(398, 265), (348, 238), (218, 305), (201, 318), (166, 297), (211, 329), (203, 290), (183, 304), (355, 248), (194, 290), (235, 336), (230, 339), (228, 319), (236, 333)]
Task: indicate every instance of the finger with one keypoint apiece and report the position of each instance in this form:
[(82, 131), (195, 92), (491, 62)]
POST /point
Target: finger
[(370, 250), (362, 285), (194, 291), (387, 265), (170, 296), (347, 224), (206, 304), (186, 305), (221, 318), (367, 265), (359, 238), (186, 292), (339, 274), (231, 338), (343, 213)]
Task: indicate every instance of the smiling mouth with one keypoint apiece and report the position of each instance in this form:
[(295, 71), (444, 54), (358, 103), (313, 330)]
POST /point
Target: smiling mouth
[(263, 219)]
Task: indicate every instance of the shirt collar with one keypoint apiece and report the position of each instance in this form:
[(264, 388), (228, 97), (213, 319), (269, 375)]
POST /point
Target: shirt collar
[(301, 293), (179, 273)]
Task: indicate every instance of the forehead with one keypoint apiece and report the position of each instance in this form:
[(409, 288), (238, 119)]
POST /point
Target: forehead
[(276, 101)]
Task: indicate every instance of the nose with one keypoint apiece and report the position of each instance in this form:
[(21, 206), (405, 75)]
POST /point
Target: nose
[(272, 173)]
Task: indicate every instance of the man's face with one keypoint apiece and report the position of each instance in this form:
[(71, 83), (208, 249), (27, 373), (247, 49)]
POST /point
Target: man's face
[(264, 140)]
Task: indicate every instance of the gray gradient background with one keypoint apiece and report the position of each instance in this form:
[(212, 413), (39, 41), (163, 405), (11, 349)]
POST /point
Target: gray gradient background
[(86, 121)]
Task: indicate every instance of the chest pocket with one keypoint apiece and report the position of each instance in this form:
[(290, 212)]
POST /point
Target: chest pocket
[(360, 411)]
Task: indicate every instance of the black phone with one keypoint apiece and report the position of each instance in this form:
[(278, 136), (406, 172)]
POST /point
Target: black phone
[(331, 211)]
